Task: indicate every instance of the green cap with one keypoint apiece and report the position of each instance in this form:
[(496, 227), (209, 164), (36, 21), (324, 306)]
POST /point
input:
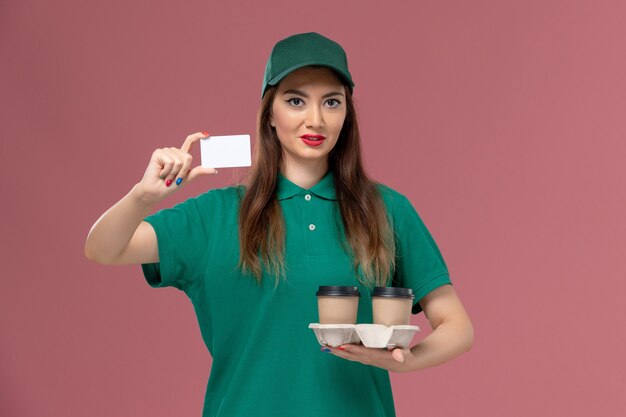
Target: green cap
[(304, 49)]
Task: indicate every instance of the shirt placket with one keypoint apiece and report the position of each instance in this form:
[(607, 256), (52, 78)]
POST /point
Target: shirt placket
[(310, 221)]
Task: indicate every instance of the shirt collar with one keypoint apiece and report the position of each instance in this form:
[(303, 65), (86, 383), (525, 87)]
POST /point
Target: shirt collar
[(325, 188)]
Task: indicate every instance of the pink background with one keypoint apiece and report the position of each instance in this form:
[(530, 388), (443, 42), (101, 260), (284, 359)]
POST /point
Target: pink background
[(504, 122)]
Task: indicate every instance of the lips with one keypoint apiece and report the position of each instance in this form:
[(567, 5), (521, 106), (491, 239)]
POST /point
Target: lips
[(312, 140), (313, 137)]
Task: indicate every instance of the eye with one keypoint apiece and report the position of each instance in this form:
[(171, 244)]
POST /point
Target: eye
[(332, 102), (295, 101)]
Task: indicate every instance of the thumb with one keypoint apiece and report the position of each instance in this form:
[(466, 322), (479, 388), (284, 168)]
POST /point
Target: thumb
[(398, 355), (198, 171)]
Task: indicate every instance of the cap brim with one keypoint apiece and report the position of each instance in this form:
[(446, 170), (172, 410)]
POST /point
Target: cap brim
[(276, 79)]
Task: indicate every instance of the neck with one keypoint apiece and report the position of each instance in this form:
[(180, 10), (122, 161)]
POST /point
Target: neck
[(305, 175)]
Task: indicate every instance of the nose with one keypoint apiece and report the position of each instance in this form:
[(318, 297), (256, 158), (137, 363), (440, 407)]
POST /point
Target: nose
[(314, 117)]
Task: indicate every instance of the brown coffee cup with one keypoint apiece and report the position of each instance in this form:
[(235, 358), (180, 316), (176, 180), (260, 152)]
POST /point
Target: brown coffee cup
[(391, 306), (337, 304)]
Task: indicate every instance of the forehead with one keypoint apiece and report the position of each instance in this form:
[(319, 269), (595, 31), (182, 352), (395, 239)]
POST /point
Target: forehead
[(311, 77)]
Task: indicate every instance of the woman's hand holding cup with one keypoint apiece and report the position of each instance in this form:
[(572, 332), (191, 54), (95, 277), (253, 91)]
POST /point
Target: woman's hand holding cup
[(169, 169)]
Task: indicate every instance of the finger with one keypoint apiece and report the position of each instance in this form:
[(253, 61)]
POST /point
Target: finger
[(398, 355), (191, 139), (353, 348), (171, 161), (184, 170), (364, 354), (165, 160), (177, 162), (198, 171), (339, 352), (345, 353)]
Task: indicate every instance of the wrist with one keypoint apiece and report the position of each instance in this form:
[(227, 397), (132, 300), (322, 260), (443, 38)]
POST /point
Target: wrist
[(143, 198), (414, 359)]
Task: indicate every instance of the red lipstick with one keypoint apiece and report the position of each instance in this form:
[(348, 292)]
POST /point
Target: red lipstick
[(313, 140)]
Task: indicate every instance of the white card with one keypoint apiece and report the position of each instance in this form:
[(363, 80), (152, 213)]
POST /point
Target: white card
[(225, 151)]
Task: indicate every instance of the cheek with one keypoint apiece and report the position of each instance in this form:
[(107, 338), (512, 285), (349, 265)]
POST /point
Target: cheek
[(338, 122), (284, 116), (283, 126), (286, 122)]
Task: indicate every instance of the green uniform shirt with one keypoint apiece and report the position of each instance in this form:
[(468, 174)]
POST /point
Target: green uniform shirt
[(266, 361)]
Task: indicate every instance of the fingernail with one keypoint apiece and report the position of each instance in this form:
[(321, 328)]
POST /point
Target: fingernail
[(340, 348), (178, 181), (205, 133), (168, 183), (325, 349)]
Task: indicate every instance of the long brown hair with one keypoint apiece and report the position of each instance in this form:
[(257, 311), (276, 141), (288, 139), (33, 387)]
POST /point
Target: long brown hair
[(366, 226)]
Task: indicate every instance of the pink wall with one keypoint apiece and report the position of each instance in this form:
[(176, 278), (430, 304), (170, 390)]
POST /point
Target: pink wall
[(502, 121)]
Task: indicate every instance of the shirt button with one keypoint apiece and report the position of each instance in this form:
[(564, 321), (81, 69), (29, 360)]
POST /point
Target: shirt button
[(311, 227), (307, 197)]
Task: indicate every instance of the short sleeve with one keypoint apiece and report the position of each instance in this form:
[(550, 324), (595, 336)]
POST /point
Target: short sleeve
[(419, 263), (182, 239)]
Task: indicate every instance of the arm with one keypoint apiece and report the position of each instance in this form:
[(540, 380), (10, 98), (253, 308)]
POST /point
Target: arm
[(452, 335), (120, 236)]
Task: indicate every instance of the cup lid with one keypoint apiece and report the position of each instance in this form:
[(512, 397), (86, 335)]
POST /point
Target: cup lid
[(395, 292), (337, 290)]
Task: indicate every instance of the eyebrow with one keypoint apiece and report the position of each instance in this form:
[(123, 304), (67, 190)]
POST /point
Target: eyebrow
[(303, 94)]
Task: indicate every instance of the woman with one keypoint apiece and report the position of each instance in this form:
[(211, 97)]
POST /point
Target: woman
[(251, 257)]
